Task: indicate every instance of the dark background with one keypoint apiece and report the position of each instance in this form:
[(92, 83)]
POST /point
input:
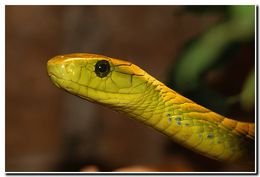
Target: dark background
[(49, 130)]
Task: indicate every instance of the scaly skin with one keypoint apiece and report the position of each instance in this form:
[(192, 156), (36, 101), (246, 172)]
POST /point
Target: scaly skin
[(130, 90)]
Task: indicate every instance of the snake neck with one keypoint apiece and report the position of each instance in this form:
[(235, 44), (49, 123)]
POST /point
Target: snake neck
[(190, 124)]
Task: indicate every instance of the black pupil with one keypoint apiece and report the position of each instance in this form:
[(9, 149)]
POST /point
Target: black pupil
[(102, 68)]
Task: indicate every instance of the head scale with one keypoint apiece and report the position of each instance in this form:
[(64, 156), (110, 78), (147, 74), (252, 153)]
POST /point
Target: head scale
[(98, 78)]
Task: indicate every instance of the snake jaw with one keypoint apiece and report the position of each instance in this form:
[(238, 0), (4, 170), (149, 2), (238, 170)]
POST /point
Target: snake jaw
[(54, 80)]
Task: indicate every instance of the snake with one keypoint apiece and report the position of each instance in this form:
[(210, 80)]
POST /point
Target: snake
[(126, 88)]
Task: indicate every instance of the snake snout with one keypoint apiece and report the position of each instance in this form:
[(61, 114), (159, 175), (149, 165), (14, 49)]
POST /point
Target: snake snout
[(62, 68), (55, 67), (64, 73)]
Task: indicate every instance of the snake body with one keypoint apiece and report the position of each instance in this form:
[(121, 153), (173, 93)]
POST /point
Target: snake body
[(127, 88)]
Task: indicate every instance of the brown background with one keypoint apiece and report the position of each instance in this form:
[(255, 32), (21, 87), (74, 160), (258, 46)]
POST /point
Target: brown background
[(50, 130)]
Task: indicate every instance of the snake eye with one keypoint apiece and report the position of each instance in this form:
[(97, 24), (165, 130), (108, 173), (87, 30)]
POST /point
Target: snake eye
[(102, 68)]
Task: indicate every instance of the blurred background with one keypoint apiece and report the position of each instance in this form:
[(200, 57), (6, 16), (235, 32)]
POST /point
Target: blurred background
[(206, 53)]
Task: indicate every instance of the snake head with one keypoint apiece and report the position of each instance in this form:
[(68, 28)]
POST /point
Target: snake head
[(98, 78)]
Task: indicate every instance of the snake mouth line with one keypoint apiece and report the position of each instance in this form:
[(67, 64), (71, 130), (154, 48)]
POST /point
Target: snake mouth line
[(54, 77)]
